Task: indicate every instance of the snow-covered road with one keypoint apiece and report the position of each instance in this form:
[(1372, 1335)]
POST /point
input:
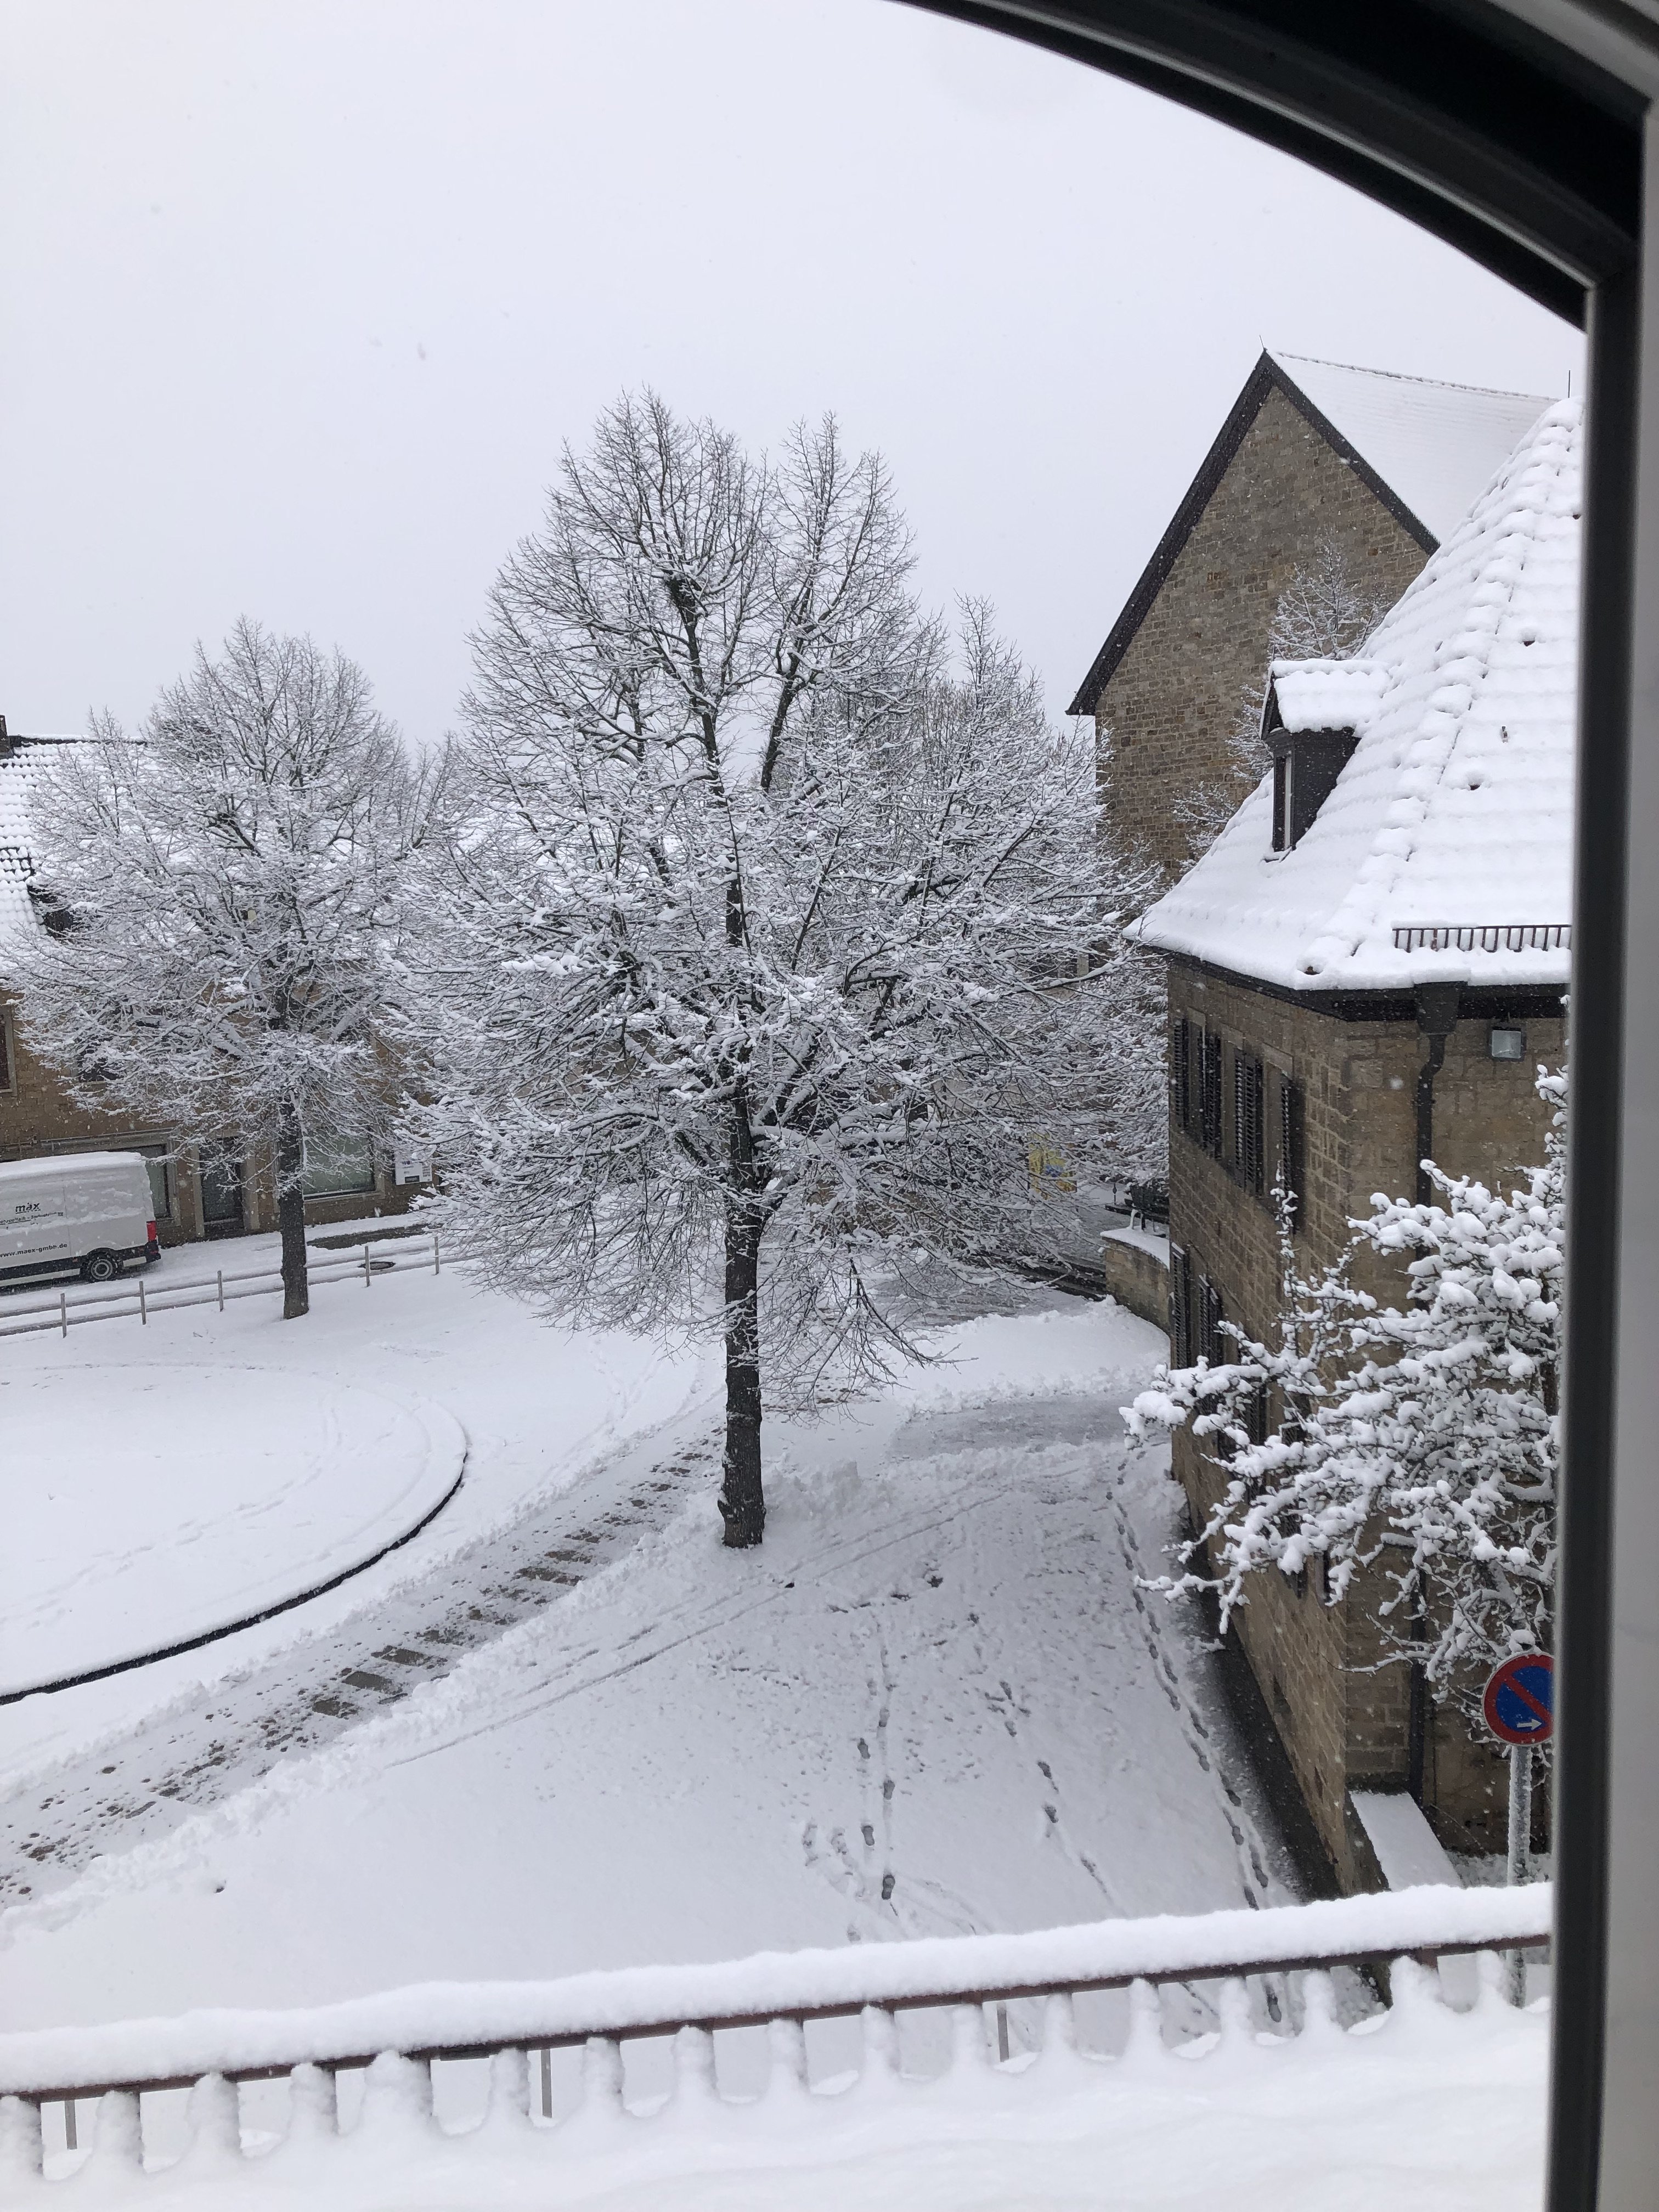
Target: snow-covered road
[(935, 1701)]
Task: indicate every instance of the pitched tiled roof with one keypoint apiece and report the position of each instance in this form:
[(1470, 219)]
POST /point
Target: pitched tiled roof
[(1444, 852)]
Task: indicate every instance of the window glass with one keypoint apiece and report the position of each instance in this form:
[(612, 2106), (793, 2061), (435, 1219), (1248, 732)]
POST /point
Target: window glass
[(335, 1166)]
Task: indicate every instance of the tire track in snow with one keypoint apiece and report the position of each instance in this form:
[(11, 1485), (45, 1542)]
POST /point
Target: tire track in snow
[(211, 1741)]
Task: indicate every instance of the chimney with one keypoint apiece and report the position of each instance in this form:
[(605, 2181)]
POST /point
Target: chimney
[(5, 742)]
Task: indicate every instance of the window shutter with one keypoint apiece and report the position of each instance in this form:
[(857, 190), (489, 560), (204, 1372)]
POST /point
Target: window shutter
[(1256, 1415), (1211, 1344), (1247, 1120), (1181, 1310), (5, 1050), (1180, 1074), (1210, 1101), (1290, 1121)]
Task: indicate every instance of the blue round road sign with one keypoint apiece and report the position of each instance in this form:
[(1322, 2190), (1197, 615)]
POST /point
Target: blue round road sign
[(1520, 1699)]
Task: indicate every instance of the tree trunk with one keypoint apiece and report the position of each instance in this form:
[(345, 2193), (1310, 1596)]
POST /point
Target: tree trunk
[(291, 1215), (743, 1501)]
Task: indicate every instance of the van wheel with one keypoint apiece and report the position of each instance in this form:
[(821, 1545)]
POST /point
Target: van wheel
[(99, 1267)]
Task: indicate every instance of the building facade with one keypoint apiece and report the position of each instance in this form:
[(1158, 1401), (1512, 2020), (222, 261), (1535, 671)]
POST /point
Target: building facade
[(1366, 970)]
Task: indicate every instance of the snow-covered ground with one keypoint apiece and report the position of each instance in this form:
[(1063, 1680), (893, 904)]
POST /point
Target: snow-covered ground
[(935, 1701), (536, 1408), (165, 1500)]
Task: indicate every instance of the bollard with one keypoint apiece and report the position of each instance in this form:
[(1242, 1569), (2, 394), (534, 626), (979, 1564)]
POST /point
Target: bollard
[(221, 1279), (144, 1310), (63, 1311)]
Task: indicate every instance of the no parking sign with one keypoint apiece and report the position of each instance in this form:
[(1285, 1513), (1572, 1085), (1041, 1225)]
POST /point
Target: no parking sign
[(1520, 1699)]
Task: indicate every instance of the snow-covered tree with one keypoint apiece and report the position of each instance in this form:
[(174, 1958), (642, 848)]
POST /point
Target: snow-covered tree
[(221, 894), (1327, 609), (1420, 1441), (771, 941)]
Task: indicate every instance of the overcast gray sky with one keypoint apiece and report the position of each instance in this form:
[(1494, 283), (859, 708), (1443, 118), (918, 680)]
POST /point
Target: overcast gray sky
[(303, 296)]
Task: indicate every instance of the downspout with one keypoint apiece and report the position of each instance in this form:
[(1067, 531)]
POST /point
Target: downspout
[(1436, 1018)]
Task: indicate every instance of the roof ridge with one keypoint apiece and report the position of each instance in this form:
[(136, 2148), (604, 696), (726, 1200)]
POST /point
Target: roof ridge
[(1400, 376)]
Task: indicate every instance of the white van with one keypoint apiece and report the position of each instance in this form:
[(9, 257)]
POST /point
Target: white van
[(90, 1211)]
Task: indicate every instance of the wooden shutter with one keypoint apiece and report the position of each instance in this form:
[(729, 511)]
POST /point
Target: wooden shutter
[(1247, 1120), (1212, 1346), (1290, 1121), (1210, 1101), (5, 1050), (1181, 1309), (1181, 1074), (1256, 1415)]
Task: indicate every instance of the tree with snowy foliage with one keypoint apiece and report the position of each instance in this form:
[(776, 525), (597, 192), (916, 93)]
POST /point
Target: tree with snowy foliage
[(1327, 609), (221, 897), (1421, 1441), (770, 940)]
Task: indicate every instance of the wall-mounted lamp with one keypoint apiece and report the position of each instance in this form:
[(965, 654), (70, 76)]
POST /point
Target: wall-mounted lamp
[(1506, 1043)]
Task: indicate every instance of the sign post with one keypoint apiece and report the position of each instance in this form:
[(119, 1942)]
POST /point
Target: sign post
[(1519, 1704)]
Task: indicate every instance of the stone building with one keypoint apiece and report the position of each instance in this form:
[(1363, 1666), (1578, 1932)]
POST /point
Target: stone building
[(1378, 467), (1364, 970), (38, 1118)]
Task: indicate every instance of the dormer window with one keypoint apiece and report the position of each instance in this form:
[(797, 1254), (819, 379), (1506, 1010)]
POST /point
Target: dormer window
[(1309, 757)]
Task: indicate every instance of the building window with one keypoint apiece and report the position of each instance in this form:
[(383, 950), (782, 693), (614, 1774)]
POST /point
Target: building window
[(6, 1080), (1209, 1091), (1211, 1344), (1181, 1309), (1247, 1120), (337, 1167), (1281, 802), (1181, 1074), (1291, 1144), (1256, 1414)]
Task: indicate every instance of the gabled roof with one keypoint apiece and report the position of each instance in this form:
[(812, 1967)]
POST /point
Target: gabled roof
[(1422, 448), (1444, 851)]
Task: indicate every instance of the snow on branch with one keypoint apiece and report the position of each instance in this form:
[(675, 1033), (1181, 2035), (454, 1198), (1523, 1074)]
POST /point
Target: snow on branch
[(1421, 1441)]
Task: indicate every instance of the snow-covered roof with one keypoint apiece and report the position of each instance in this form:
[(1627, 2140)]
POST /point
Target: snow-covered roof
[(1327, 695), (1444, 852), (1436, 446)]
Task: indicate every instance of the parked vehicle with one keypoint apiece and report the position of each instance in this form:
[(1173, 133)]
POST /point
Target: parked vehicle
[(89, 1211)]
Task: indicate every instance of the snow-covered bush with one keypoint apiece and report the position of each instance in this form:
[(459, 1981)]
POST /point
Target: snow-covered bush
[(1420, 1440), (221, 894), (772, 939)]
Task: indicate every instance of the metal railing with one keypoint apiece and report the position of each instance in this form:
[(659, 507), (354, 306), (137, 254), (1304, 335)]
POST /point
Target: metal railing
[(779, 1992), (1483, 937), (135, 1300)]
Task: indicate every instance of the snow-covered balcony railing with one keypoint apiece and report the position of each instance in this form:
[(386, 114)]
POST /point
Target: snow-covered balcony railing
[(1483, 937), (400, 2034)]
